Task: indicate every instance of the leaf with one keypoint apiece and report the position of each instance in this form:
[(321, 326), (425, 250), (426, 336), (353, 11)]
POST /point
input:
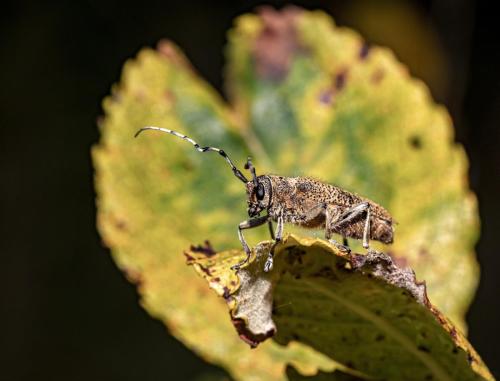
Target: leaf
[(152, 204), (329, 108), (292, 374), (361, 310)]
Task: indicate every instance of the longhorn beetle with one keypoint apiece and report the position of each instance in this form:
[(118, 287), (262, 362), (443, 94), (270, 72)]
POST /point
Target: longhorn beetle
[(305, 202)]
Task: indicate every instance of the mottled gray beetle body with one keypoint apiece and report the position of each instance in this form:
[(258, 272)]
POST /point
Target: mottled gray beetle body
[(305, 202), (310, 203)]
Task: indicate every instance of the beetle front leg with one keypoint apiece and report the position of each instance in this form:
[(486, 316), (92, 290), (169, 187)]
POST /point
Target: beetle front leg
[(268, 266), (271, 231), (252, 223)]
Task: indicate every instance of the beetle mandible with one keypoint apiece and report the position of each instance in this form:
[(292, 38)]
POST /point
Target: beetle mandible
[(305, 202)]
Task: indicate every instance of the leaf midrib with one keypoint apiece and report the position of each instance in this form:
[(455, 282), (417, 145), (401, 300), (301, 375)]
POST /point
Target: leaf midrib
[(399, 337)]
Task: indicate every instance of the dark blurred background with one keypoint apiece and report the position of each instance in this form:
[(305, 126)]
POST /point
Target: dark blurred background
[(67, 313)]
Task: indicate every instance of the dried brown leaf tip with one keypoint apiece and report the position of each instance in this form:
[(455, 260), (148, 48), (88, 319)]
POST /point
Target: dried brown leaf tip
[(361, 310), (382, 266), (338, 82)]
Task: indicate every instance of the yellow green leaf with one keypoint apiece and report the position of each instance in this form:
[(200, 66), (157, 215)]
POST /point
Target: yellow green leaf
[(156, 196), (292, 374), (331, 107), (325, 106), (361, 310)]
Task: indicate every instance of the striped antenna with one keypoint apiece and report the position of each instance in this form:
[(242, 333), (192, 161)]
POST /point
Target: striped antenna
[(250, 167), (236, 171)]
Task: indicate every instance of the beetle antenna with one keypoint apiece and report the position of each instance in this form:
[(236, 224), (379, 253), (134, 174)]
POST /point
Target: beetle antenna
[(250, 166), (236, 171)]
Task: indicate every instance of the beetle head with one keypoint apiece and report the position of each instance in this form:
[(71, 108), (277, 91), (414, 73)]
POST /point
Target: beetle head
[(259, 192)]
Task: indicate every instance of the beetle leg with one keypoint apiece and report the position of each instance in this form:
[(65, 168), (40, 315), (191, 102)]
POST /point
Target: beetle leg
[(335, 219), (350, 215), (366, 232), (331, 215), (268, 266), (271, 231), (340, 246), (252, 223)]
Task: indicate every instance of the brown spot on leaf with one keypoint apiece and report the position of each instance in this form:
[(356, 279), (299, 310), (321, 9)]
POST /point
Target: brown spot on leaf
[(453, 333), (424, 348), (169, 97), (189, 258), (133, 276), (415, 142), (423, 252), (121, 225), (118, 222), (364, 51), (140, 95), (205, 270), (277, 42), (206, 249), (440, 317), (470, 358), (227, 293), (377, 76), (326, 96), (340, 79)]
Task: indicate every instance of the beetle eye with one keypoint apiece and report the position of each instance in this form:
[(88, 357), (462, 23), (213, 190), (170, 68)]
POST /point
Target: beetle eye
[(260, 191)]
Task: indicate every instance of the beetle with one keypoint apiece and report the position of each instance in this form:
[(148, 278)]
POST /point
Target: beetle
[(305, 202)]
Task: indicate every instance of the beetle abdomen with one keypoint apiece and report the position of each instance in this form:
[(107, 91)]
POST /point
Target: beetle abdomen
[(382, 231)]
